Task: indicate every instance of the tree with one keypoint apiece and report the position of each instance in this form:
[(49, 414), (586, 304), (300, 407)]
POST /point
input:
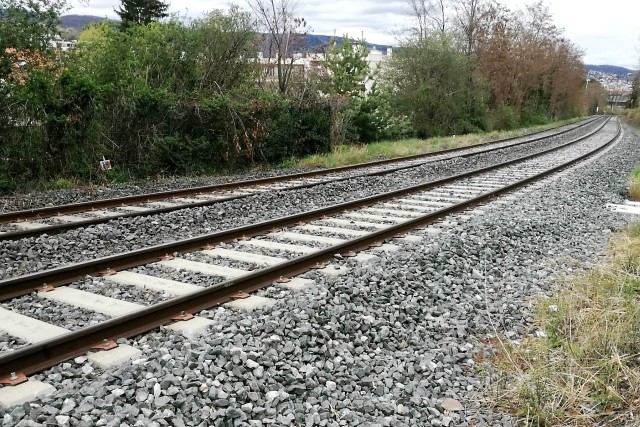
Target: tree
[(348, 71), (141, 12), (281, 33), (595, 97), (224, 50), (634, 102), (429, 81), (28, 24), (348, 67), (430, 16), (470, 16)]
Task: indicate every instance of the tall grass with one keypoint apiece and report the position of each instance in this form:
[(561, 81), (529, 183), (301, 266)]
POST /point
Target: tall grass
[(350, 154), (634, 184), (632, 116), (583, 368)]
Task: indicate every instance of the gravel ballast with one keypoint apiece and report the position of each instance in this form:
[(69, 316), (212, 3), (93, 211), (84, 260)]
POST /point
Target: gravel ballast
[(36, 253), (51, 198), (381, 346)]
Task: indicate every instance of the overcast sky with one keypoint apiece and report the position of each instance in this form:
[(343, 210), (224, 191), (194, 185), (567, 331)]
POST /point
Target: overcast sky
[(608, 32)]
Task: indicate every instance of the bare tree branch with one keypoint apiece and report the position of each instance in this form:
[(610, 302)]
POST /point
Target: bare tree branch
[(281, 32)]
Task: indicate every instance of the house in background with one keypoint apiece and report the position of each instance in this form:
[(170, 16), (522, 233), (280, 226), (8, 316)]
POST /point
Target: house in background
[(312, 63)]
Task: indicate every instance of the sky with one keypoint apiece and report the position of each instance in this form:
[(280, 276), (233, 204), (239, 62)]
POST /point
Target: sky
[(608, 33)]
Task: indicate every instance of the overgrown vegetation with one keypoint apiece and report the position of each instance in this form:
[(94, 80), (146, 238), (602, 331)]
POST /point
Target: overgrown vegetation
[(343, 155), (632, 116), (634, 185), (584, 369), (176, 97)]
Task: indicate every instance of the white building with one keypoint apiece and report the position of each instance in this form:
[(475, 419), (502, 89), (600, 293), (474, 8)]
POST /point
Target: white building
[(304, 63)]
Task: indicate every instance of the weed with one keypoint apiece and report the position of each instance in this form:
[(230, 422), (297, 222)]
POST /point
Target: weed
[(632, 116), (634, 185), (7, 185), (584, 369), (62, 184), (350, 154)]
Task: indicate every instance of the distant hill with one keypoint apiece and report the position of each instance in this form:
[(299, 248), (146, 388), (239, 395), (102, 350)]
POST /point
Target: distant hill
[(610, 69), (317, 42), (314, 42), (79, 22)]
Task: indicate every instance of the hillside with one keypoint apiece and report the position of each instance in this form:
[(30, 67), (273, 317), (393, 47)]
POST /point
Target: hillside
[(318, 42), (610, 69), (313, 42), (79, 22)]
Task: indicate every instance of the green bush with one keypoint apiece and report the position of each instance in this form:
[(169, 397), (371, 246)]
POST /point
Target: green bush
[(504, 117), (179, 154), (61, 184), (7, 185)]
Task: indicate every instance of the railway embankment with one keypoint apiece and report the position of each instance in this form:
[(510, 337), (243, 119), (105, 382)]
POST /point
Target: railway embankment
[(403, 338)]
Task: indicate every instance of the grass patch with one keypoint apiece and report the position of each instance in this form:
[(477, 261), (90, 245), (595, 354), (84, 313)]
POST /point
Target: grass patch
[(632, 116), (584, 369), (62, 184), (350, 154), (634, 184)]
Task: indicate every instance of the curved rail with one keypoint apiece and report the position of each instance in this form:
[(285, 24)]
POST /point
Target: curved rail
[(40, 356), (117, 202)]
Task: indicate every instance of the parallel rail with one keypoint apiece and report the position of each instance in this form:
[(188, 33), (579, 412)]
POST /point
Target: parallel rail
[(40, 356), (52, 211)]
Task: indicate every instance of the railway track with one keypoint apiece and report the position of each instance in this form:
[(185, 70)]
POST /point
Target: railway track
[(56, 219), (230, 264)]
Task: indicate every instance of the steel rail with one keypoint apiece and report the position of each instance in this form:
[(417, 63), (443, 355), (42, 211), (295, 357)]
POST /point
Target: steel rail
[(40, 356), (51, 211), (22, 285), (59, 228)]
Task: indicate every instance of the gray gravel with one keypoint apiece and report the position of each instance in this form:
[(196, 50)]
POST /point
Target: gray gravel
[(35, 254), (10, 343), (54, 312), (59, 197), (133, 294), (381, 346)]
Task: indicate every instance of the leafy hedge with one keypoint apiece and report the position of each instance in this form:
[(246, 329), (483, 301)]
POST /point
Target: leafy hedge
[(168, 98)]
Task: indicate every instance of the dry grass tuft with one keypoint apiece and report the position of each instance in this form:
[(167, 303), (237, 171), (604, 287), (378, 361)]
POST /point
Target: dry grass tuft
[(350, 154), (584, 369), (634, 185), (633, 116)]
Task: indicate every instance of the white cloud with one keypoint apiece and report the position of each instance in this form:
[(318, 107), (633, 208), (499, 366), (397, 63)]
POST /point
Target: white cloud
[(607, 32)]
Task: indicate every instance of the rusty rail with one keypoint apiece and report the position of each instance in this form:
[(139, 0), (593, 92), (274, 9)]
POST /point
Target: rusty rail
[(40, 356)]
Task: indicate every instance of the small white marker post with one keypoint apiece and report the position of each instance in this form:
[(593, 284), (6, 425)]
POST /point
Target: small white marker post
[(105, 164)]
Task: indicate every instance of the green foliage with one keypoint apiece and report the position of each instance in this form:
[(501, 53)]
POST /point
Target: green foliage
[(536, 117), (50, 130), (61, 184), (376, 120), (180, 97), (431, 85), (141, 12), (348, 67), (116, 176), (183, 155), (7, 184), (363, 116), (224, 132), (46, 109), (28, 24), (503, 117)]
